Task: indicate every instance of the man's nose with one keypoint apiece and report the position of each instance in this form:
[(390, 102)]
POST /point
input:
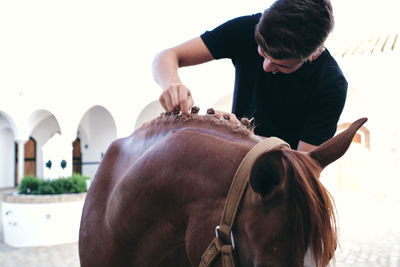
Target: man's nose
[(268, 66)]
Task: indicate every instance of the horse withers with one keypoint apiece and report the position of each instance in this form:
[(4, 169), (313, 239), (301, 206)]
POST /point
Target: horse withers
[(159, 194)]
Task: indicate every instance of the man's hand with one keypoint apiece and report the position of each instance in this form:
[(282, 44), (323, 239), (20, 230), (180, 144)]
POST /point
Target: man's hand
[(177, 97)]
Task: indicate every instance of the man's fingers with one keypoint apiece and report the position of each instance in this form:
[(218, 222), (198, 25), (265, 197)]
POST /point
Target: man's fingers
[(177, 97), (190, 102), (162, 102), (166, 102), (175, 103), (185, 100)]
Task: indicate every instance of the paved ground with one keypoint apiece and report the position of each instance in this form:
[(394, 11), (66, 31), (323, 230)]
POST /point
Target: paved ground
[(370, 232), (370, 237)]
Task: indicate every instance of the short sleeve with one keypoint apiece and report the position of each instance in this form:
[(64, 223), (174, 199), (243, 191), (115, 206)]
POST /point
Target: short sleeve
[(231, 38)]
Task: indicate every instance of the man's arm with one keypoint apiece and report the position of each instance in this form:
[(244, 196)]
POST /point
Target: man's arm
[(305, 147), (175, 94)]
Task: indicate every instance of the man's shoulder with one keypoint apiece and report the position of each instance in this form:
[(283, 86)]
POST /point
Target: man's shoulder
[(230, 39), (253, 19), (245, 22), (327, 69)]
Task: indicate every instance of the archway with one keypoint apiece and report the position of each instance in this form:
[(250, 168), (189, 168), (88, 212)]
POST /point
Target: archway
[(151, 111), (224, 103), (43, 125), (96, 131)]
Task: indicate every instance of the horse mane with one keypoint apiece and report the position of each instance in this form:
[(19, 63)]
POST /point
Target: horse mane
[(311, 209), (167, 121)]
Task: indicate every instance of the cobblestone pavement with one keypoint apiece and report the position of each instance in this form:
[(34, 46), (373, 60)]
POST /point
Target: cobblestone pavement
[(369, 237), (369, 232)]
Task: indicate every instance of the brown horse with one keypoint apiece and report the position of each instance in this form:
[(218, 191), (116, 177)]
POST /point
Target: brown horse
[(159, 193)]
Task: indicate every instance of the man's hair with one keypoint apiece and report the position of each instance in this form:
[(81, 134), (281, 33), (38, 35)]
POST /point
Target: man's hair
[(294, 28)]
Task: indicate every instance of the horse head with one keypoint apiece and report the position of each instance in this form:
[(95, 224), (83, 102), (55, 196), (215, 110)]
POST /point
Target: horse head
[(286, 210)]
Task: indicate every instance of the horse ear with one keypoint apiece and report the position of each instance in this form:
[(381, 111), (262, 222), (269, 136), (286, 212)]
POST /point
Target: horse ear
[(267, 172), (335, 147)]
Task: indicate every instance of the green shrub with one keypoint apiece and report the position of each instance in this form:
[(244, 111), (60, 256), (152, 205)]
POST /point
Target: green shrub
[(33, 185), (78, 183), (29, 184), (61, 185), (45, 188)]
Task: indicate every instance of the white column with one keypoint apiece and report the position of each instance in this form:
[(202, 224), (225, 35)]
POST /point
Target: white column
[(21, 159), (70, 159)]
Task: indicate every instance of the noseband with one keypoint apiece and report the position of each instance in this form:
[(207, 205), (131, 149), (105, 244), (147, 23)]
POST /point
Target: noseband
[(223, 242)]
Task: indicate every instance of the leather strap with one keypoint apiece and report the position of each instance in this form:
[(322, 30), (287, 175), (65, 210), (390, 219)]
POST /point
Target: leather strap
[(233, 200)]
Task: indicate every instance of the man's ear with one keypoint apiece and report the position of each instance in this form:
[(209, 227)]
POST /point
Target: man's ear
[(267, 172)]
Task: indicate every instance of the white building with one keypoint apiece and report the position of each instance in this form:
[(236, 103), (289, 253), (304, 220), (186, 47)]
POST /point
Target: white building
[(81, 70)]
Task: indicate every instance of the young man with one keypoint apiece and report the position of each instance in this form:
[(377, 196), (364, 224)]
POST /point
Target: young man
[(285, 79)]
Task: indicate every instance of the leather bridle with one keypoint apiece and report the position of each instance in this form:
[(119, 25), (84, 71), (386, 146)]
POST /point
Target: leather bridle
[(223, 242)]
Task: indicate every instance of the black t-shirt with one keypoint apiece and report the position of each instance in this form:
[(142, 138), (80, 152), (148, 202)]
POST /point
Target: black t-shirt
[(303, 105)]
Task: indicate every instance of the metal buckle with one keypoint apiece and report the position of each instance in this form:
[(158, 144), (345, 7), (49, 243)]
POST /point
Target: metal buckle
[(231, 234)]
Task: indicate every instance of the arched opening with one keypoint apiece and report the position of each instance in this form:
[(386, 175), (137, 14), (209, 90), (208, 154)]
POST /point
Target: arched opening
[(224, 103), (151, 111), (43, 125), (96, 131)]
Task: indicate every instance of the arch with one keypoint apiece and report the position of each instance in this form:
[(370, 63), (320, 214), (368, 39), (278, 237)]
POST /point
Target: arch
[(42, 125), (149, 112), (40, 116), (7, 122), (96, 131), (224, 103)]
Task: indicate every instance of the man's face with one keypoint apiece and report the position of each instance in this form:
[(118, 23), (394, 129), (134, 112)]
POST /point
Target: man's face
[(279, 65)]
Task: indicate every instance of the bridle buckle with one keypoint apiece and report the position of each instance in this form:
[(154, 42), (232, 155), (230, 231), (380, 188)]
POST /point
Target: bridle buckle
[(231, 234)]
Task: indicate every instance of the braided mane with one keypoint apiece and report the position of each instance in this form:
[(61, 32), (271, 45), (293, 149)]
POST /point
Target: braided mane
[(165, 122)]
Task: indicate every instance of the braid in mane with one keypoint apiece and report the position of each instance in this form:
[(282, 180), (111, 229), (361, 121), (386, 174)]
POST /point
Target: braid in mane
[(166, 121), (311, 209)]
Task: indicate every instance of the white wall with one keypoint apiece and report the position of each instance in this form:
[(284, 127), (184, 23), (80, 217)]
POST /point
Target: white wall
[(45, 224), (7, 158)]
